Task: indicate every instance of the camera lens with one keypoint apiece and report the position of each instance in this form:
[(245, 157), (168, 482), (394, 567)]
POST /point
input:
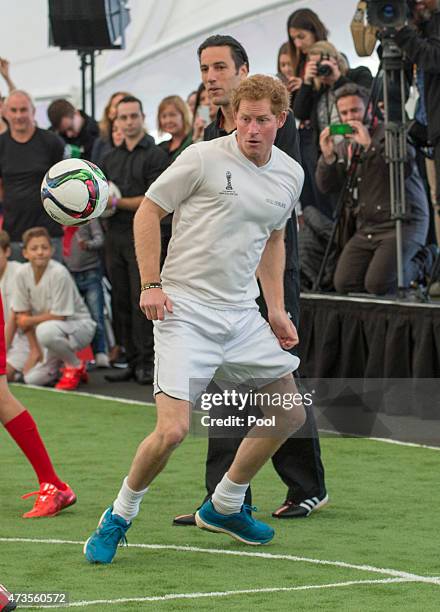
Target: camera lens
[(324, 70), (388, 12)]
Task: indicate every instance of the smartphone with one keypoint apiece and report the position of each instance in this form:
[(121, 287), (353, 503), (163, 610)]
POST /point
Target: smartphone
[(340, 129), (203, 112)]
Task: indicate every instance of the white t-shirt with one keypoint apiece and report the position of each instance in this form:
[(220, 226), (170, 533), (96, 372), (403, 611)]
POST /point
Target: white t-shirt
[(225, 208), (56, 292), (8, 284)]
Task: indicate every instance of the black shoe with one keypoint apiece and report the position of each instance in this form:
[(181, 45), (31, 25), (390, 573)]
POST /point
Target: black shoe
[(305, 508), (120, 376), (185, 520), (144, 375), (425, 259)]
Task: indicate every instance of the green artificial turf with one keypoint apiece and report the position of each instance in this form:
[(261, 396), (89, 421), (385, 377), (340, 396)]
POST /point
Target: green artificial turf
[(383, 513)]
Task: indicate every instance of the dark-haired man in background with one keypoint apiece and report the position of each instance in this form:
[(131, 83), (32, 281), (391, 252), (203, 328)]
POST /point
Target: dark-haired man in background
[(78, 130), (133, 167), (368, 260), (224, 64)]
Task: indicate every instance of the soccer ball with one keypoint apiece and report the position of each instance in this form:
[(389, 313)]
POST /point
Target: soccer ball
[(74, 191)]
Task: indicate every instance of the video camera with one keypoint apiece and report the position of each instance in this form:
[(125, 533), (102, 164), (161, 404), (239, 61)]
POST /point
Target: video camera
[(384, 14)]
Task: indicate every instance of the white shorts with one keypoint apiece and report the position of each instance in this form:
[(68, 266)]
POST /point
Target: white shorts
[(197, 342)]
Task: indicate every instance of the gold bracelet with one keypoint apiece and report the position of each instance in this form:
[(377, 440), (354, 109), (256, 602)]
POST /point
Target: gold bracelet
[(146, 286)]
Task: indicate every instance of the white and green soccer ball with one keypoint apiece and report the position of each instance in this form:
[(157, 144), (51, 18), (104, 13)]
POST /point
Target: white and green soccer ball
[(74, 191)]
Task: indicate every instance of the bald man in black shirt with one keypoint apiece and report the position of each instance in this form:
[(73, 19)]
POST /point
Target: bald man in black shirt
[(26, 154)]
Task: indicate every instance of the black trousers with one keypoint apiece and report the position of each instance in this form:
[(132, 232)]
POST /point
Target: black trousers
[(298, 461), (368, 262), (136, 332)]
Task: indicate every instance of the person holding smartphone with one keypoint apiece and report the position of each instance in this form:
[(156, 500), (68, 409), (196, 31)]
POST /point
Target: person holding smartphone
[(367, 262), (205, 112)]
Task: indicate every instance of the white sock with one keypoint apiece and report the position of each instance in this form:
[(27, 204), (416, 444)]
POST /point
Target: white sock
[(228, 496), (128, 501)]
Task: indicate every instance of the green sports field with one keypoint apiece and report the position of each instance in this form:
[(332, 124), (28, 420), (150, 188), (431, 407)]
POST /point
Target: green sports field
[(374, 547)]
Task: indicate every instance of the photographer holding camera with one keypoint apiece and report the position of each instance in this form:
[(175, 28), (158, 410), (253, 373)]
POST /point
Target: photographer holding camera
[(326, 70), (368, 259)]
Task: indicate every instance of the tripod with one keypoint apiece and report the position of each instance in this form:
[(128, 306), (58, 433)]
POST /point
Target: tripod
[(395, 142)]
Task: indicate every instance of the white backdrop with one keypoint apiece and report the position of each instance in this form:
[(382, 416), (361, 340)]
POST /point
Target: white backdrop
[(161, 43)]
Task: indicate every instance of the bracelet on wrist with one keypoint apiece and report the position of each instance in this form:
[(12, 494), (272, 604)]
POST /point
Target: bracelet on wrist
[(146, 286)]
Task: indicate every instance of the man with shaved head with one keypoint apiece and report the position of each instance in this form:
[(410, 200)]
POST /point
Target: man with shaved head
[(26, 153)]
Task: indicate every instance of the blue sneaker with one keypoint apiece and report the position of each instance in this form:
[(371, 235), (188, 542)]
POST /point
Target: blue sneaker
[(240, 525), (102, 545)]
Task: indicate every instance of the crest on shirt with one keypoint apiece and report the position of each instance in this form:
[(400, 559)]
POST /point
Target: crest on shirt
[(228, 190)]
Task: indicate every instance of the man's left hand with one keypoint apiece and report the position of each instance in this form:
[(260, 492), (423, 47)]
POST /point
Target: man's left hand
[(360, 134), (284, 329)]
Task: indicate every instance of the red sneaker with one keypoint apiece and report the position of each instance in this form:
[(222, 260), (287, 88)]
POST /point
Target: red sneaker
[(71, 377), (50, 500)]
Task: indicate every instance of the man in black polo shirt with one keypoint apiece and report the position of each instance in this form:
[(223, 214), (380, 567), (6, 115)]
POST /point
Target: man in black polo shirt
[(26, 153), (223, 64), (78, 130), (133, 167)]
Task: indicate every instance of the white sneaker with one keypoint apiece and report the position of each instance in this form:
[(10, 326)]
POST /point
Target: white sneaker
[(102, 360)]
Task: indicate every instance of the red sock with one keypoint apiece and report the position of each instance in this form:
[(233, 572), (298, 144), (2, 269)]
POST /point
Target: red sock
[(24, 431)]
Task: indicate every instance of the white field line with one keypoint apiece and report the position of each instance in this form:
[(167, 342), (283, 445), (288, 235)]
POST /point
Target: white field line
[(260, 555), (171, 596), (123, 400), (108, 398), (386, 440)]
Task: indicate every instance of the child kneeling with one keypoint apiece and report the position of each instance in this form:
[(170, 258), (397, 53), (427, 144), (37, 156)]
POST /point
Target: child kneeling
[(51, 313)]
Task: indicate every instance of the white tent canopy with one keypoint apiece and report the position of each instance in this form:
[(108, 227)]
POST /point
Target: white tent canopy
[(161, 46)]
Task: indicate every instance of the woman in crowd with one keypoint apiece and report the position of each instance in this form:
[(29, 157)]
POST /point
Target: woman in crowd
[(284, 65), (304, 29), (173, 118), (326, 70), (105, 143), (204, 113)]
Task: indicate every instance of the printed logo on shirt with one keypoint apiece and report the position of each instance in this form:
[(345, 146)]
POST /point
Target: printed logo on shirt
[(276, 203), (228, 190)]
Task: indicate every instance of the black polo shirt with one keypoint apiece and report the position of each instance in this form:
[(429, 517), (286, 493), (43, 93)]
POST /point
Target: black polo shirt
[(133, 172), (22, 168), (287, 139)]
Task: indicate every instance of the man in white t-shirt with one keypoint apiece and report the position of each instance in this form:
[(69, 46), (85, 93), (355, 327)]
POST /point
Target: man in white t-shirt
[(50, 311), (231, 199)]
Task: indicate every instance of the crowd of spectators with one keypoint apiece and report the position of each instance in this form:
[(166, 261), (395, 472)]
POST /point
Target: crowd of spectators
[(323, 90)]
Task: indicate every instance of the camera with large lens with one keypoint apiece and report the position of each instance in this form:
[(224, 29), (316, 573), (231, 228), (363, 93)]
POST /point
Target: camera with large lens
[(324, 70), (387, 13)]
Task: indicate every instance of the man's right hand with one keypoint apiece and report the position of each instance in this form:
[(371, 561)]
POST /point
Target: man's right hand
[(153, 303), (327, 147)]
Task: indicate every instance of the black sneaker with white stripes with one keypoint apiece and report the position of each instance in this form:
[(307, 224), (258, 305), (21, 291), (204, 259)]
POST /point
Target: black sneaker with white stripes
[(305, 508)]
